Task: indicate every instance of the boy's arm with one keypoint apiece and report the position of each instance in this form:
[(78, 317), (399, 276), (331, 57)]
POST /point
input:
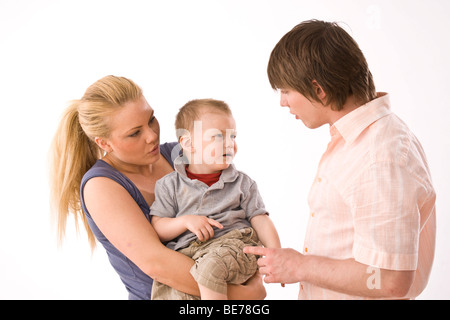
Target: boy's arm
[(170, 228), (266, 231), (253, 205), (164, 210)]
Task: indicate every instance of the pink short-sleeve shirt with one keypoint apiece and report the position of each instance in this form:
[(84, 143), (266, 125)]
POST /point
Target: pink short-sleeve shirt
[(372, 198)]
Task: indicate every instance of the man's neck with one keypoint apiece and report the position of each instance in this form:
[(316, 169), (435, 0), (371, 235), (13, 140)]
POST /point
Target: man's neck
[(350, 105)]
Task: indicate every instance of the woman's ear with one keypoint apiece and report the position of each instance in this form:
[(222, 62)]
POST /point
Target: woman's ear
[(103, 144), (320, 93)]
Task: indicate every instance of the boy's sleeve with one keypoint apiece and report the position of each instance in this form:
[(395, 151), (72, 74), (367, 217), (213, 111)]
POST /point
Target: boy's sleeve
[(164, 204), (252, 202)]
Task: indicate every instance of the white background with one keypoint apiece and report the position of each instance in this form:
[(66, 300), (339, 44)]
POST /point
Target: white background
[(51, 51)]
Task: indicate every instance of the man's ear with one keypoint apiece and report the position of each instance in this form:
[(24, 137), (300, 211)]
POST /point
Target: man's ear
[(103, 144), (320, 93)]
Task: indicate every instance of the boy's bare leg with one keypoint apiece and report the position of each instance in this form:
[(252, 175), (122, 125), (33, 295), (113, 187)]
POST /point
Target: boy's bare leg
[(208, 294)]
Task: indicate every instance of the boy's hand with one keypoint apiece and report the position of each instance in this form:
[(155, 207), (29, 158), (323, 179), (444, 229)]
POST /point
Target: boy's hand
[(201, 226)]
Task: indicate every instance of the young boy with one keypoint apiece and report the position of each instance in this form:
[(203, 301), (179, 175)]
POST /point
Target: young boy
[(207, 209)]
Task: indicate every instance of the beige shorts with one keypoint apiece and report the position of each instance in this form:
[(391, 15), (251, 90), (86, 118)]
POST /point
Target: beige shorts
[(217, 262)]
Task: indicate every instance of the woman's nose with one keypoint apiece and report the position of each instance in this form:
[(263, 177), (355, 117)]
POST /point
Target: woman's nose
[(151, 135)]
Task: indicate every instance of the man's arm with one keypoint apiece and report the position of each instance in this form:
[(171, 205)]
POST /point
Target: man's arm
[(346, 276)]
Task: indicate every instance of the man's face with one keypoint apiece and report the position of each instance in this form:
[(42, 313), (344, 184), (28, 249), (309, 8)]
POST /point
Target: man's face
[(312, 113)]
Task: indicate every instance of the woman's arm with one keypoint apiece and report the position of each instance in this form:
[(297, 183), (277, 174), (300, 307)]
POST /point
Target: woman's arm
[(121, 220)]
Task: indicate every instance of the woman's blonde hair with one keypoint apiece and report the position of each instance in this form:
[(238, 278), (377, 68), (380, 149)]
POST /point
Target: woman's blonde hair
[(74, 151)]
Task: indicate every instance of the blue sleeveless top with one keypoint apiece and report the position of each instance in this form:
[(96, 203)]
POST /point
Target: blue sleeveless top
[(137, 283)]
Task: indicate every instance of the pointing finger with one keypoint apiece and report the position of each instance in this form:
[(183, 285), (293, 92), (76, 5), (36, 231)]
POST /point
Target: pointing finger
[(260, 251)]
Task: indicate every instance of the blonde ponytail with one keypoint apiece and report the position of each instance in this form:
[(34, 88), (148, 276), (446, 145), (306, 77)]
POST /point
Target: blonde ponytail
[(74, 152)]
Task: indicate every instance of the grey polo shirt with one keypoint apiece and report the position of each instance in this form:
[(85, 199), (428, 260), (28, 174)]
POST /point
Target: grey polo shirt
[(232, 201)]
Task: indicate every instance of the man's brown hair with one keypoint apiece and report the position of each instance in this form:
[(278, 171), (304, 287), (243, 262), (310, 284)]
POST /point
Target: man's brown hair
[(324, 52)]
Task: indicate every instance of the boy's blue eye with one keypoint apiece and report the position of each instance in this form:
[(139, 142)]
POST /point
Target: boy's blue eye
[(135, 134)]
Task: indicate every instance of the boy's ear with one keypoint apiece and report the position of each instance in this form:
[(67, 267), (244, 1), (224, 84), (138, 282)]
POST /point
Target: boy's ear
[(186, 143), (103, 144), (320, 93)]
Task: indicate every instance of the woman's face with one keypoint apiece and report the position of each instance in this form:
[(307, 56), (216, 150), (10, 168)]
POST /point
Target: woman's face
[(134, 137)]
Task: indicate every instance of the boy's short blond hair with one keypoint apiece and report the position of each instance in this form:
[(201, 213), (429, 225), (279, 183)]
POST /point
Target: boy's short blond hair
[(192, 111)]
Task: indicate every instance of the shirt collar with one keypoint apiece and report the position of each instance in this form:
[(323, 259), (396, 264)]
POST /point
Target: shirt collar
[(228, 175), (353, 124)]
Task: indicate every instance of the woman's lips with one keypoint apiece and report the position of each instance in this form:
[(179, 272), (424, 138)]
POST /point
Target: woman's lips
[(154, 150)]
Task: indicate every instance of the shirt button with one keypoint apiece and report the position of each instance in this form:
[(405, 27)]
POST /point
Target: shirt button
[(306, 250), (319, 179), (312, 214)]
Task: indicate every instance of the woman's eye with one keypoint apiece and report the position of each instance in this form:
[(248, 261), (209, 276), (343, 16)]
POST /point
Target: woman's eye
[(135, 134)]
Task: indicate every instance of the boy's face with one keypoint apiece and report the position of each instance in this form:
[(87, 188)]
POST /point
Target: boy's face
[(312, 113), (212, 144)]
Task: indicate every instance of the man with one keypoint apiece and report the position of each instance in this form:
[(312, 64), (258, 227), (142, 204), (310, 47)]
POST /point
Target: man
[(371, 230)]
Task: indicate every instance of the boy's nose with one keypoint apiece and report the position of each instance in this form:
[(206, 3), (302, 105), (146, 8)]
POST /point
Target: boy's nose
[(229, 143)]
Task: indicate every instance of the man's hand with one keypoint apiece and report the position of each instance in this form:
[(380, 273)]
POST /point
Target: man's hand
[(278, 265)]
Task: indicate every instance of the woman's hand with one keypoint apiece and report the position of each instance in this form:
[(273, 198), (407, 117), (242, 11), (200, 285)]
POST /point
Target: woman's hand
[(201, 226)]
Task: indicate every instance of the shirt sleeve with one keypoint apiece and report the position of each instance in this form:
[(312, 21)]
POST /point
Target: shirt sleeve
[(252, 202), (385, 208), (164, 204)]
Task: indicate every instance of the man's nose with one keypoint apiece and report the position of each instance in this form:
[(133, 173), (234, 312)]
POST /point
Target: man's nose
[(283, 101)]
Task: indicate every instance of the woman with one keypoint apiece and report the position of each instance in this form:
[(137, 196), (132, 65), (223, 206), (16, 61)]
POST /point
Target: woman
[(106, 161)]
